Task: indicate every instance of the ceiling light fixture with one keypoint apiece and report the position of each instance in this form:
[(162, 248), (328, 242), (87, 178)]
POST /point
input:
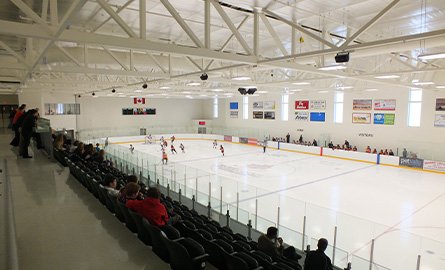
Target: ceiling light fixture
[(217, 90), (335, 67), (138, 91), (371, 90), (193, 84), (423, 83), (323, 92), (440, 87), (241, 78), (164, 87), (431, 56), (387, 77), (345, 87), (301, 83)]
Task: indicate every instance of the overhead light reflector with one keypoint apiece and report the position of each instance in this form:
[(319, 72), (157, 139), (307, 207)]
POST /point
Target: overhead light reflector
[(431, 56), (387, 77)]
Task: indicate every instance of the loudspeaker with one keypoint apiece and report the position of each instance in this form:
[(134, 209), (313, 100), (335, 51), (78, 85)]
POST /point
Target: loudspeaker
[(242, 91), (342, 57)]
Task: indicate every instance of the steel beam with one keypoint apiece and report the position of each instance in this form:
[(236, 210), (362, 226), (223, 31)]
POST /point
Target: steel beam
[(369, 24), (54, 12), (300, 28), (274, 34), (109, 18), (117, 18), (30, 13), (207, 24), (231, 26), (16, 55), (123, 65), (142, 19), (182, 23)]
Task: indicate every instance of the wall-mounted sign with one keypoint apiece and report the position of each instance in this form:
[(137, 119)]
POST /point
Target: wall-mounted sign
[(301, 104), (366, 135), (362, 104), (269, 105), (302, 116), (234, 105), (317, 105), (257, 105), (440, 104), (384, 118), (439, 120), (385, 104), (318, 116), (138, 111), (258, 115), (233, 114), (361, 118), (269, 115)]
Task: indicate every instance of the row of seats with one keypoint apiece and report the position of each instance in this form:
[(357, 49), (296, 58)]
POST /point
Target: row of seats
[(190, 243)]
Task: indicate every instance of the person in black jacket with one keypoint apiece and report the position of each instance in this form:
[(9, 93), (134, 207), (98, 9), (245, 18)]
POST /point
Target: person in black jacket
[(26, 132), (316, 259)]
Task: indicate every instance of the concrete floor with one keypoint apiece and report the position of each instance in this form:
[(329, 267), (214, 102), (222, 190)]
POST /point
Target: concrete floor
[(60, 225)]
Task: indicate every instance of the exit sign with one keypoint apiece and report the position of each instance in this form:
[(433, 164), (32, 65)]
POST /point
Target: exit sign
[(202, 123)]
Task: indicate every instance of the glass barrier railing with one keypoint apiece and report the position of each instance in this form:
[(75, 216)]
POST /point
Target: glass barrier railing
[(299, 223)]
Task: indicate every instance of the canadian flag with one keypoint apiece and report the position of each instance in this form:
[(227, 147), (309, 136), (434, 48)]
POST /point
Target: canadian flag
[(139, 100)]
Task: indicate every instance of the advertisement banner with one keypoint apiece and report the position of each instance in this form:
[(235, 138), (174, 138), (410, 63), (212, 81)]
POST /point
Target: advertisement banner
[(434, 165), (257, 105), (234, 105), (411, 162), (385, 104), (302, 116), (384, 118), (362, 104), (318, 116), (269, 105), (440, 104), (318, 105), (233, 114), (252, 141), (269, 115), (243, 140), (361, 118), (301, 104), (227, 138), (439, 120), (258, 115)]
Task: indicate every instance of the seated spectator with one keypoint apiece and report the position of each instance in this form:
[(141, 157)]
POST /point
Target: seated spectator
[(338, 146), (151, 208), (386, 152), (391, 153), (97, 147), (355, 149), (368, 149), (89, 151), (80, 149), (110, 184), (381, 152), (331, 145), (129, 192), (272, 245), (314, 143), (374, 151), (346, 143), (58, 143), (99, 157), (317, 259), (123, 192)]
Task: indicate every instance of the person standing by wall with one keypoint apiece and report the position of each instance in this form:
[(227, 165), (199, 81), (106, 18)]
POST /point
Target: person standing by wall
[(288, 138), (26, 132), (20, 112)]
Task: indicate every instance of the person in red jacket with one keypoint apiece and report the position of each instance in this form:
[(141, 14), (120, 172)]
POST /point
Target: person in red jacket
[(150, 208)]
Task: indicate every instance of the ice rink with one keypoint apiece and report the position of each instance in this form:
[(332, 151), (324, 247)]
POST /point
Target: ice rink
[(397, 207)]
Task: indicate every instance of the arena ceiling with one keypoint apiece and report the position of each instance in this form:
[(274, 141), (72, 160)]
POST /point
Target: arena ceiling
[(80, 46)]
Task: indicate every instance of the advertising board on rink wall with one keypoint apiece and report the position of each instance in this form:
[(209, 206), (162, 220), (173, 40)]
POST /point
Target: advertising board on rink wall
[(243, 140), (227, 138), (411, 162), (434, 165)]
